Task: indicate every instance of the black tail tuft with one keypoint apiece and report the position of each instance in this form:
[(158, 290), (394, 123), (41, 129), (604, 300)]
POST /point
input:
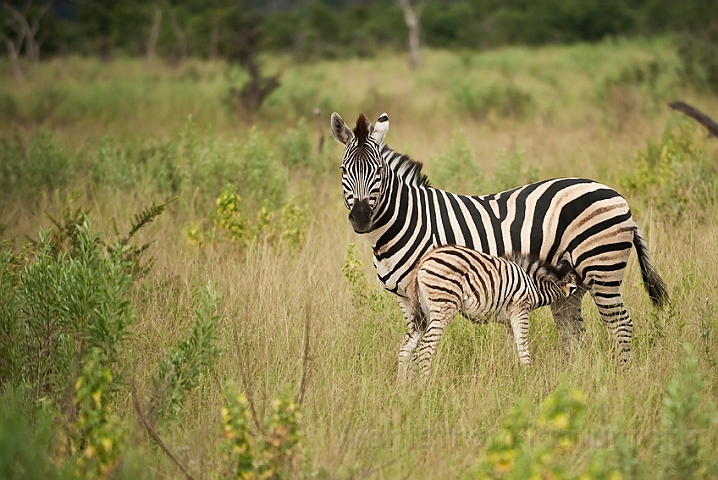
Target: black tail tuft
[(654, 284)]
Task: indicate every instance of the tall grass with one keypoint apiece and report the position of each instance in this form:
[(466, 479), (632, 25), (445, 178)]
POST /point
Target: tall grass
[(115, 137)]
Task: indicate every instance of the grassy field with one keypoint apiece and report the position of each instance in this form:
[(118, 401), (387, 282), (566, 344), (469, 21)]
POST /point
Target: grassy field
[(112, 138)]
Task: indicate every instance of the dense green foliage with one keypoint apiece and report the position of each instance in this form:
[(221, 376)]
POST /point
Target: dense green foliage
[(330, 28)]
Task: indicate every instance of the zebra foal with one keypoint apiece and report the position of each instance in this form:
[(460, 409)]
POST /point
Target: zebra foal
[(452, 279)]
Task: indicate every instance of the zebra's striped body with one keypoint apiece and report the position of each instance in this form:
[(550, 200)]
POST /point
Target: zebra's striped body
[(451, 279), (589, 224)]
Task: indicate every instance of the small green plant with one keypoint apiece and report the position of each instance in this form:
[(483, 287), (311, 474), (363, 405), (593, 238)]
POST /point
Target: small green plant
[(277, 453), (230, 222), (239, 451), (456, 169), (180, 370), (686, 418), (504, 100), (43, 164), (675, 175), (699, 58), (523, 448), (511, 171), (294, 146), (98, 439)]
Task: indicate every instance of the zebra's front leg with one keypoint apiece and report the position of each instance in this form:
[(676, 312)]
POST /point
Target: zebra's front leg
[(519, 321), (567, 315)]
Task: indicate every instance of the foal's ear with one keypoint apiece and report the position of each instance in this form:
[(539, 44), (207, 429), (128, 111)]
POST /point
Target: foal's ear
[(380, 129), (340, 131)]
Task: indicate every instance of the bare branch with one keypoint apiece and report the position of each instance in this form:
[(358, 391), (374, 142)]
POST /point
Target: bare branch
[(320, 129), (697, 115), (153, 434), (306, 359)]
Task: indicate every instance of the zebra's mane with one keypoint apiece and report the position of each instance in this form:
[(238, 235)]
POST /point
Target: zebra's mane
[(539, 269), (362, 130), (407, 169)]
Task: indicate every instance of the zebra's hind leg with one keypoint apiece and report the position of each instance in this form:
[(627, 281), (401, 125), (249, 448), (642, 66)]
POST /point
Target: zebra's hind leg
[(407, 352), (569, 321), (430, 341), (619, 323)]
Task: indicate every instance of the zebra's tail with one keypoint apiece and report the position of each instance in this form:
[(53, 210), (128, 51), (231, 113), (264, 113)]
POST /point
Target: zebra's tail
[(654, 284)]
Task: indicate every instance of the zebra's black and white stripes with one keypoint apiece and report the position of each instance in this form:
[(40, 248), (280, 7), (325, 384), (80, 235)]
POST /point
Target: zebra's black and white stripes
[(393, 206), (451, 279)]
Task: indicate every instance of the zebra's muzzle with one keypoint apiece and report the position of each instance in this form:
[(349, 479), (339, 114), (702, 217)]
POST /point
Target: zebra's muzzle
[(360, 216)]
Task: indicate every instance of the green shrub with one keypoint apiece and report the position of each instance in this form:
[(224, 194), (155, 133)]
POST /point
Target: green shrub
[(294, 146), (456, 170), (275, 455), (504, 100), (698, 53), (98, 439), (27, 442), (511, 171), (686, 419), (180, 370), (533, 448), (675, 175), (68, 304), (28, 171)]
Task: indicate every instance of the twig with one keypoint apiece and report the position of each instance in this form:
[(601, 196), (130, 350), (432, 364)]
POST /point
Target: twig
[(250, 398), (320, 129), (305, 357), (697, 115), (152, 433)]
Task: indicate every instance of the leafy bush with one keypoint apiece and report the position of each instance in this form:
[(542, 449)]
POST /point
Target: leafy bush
[(98, 438), (511, 171), (456, 170), (67, 304), (525, 448), (231, 222), (41, 166), (698, 53), (294, 146), (686, 419), (26, 441), (504, 100), (180, 369), (675, 175), (275, 455)]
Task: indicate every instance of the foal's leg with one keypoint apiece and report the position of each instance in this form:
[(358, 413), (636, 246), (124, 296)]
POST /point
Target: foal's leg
[(519, 320)]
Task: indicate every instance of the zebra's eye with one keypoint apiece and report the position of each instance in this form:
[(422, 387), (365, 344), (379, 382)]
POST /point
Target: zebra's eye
[(344, 169)]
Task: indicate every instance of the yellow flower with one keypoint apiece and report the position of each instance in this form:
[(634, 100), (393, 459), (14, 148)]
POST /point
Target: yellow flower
[(106, 444), (561, 421)]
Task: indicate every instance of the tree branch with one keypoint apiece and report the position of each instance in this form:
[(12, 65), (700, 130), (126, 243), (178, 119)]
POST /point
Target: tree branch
[(153, 434), (697, 115)]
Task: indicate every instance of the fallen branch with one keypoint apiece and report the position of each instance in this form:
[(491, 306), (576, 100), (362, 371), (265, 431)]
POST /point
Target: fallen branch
[(153, 434), (697, 115)]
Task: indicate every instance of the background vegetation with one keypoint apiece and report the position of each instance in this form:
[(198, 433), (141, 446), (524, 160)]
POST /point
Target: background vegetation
[(178, 275)]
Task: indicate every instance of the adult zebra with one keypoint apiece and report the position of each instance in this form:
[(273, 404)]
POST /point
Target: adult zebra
[(589, 224)]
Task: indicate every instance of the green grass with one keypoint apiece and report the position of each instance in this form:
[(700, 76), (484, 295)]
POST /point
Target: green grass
[(116, 137)]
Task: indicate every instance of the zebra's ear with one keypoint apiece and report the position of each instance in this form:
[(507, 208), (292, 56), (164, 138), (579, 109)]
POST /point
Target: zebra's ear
[(340, 131), (380, 129)]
